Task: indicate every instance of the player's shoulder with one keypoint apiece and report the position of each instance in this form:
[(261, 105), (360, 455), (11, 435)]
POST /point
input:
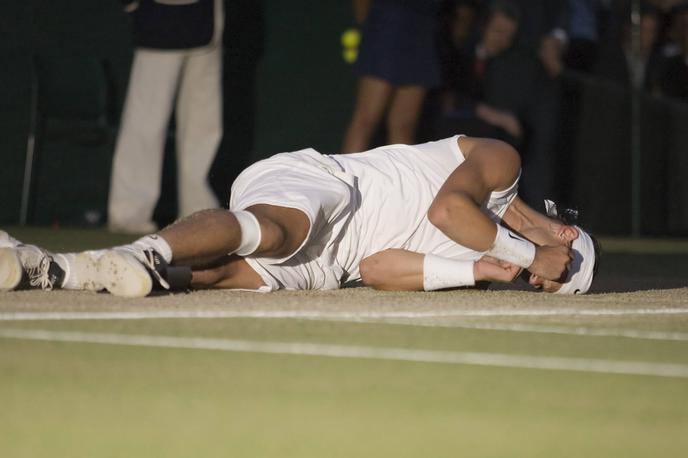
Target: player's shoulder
[(498, 162), (487, 149)]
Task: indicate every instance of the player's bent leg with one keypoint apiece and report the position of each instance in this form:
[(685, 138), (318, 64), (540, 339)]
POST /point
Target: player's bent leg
[(283, 230), (230, 272), (210, 234), (204, 237)]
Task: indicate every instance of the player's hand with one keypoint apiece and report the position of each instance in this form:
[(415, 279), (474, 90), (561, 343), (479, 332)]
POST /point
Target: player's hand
[(551, 262), (492, 269)]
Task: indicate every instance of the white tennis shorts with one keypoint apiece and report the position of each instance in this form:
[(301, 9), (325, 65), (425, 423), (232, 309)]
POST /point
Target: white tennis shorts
[(316, 185)]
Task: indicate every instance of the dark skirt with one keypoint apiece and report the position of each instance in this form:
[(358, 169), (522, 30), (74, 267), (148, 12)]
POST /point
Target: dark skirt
[(398, 44)]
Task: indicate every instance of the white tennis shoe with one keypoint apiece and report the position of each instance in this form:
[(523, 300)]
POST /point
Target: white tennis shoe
[(28, 266), (7, 241), (129, 273)]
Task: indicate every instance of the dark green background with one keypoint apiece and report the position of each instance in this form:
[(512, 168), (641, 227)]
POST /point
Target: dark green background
[(76, 54), (287, 88)]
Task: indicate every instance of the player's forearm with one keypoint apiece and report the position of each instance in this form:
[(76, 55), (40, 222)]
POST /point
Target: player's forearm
[(520, 216), (393, 270), (460, 218), (402, 270)]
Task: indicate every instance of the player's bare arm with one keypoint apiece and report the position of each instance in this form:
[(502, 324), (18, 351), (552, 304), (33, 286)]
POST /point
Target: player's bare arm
[(490, 165), (403, 270), (536, 227)]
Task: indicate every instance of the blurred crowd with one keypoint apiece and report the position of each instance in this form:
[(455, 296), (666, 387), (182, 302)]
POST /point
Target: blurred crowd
[(505, 68), (503, 63)]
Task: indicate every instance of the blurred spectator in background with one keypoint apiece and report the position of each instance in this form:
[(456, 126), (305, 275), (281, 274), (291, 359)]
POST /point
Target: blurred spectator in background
[(543, 29), (584, 29), (397, 64), (487, 80), (619, 62), (543, 32), (177, 62), (673, 81), (242, 50), (458, 24)]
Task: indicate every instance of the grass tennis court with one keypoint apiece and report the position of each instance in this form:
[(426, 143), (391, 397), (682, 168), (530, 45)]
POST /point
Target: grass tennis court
[(352, 372)]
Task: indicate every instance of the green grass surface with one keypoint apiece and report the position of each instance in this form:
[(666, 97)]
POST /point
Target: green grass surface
[(95, 400), (67, 399)]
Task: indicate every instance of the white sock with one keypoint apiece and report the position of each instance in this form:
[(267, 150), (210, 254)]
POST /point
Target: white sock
[(154, 242)]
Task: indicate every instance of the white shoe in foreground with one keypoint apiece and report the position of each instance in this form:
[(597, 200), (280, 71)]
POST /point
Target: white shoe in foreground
[(122, 274), (7, 241), (11, 270), (29, 267)]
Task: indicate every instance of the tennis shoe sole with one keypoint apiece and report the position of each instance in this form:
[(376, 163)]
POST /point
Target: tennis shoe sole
[(123, 275), (11, 269)]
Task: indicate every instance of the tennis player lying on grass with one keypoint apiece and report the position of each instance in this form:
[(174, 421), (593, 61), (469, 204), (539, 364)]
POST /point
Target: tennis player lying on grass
[(432, 216)]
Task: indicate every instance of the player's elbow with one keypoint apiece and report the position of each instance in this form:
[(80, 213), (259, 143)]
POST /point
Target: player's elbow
[(372, 272), (447, 209)]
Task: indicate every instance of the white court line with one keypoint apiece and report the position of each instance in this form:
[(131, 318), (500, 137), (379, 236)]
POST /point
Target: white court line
[(381, 353), (332, 314), (394, 318), (544, 329)]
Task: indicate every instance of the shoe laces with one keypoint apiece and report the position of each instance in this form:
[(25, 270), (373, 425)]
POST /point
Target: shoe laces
[(39, 273)]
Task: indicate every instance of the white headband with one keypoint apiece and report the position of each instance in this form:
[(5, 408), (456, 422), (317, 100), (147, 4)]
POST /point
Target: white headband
[(582, 266)]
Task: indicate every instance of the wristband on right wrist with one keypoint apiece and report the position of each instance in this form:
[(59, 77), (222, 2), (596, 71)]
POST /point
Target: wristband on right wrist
[(442, 273), (512, 248)]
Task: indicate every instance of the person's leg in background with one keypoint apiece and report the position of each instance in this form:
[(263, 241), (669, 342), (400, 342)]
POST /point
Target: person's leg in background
[(199, 128), (404, 113), (137, 162), (371, 103)]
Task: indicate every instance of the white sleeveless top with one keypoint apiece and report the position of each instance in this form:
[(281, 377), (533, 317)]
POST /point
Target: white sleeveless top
[(397, 184)]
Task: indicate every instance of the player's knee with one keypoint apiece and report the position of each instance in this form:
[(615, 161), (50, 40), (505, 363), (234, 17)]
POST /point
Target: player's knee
[(283, 230)]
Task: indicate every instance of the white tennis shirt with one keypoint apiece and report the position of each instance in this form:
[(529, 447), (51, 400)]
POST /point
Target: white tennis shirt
[(393, 188), (397, 185)]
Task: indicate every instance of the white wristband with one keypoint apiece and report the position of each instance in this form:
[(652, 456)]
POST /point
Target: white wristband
[(512, 248), (250, 232), (441, 273)]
